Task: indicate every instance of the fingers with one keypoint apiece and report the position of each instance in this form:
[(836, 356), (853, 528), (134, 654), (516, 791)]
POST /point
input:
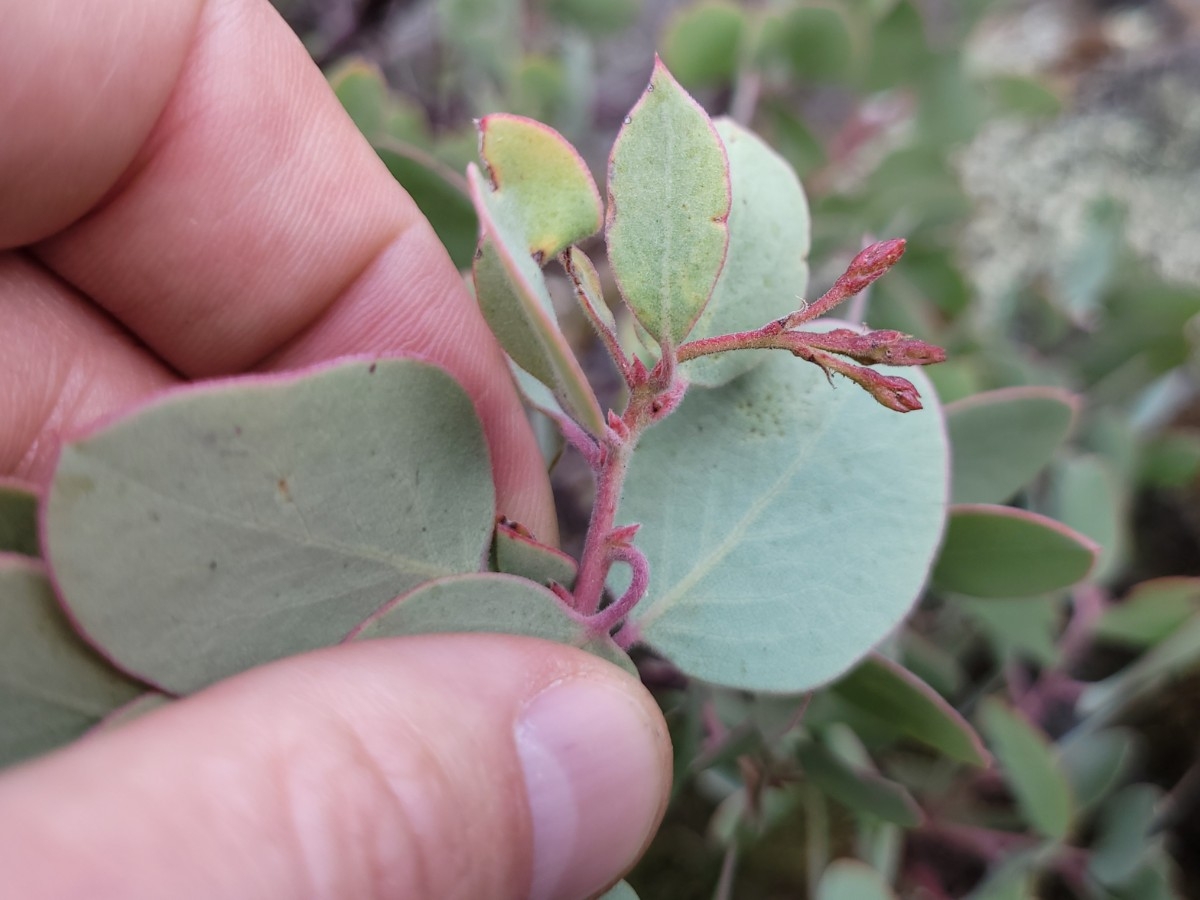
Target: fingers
[(207, 189), (83, 85), (64, 364), (443, 766)]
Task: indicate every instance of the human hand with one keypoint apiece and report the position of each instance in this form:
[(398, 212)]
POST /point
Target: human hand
[(181, 196)]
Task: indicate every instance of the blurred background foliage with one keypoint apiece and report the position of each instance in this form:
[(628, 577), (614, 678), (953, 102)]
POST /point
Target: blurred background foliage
[(1042, 158)]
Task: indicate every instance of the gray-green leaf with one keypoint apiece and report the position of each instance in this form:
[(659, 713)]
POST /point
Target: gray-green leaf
[(53, 686), (789, 525), (226, 525)]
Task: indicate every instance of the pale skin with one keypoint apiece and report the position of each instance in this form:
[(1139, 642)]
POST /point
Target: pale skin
[(181, 197)]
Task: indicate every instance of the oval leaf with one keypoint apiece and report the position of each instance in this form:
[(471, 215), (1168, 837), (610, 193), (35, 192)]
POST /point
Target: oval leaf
[(766, 268), (913, 707), (1002, 439), (1031, 769), (18, 518), (998, 551), (545, 180), (668, 205), (789, 525), (849, 879), (515, 301), (53, 687), (489, 603), (229, 524)]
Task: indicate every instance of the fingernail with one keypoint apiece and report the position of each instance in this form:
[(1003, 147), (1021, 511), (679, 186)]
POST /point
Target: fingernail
[(595, 766)]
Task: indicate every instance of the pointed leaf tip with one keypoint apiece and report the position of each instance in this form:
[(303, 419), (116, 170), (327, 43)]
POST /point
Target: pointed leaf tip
[(669, 202)]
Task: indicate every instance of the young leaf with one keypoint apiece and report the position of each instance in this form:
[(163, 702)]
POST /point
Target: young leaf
[(53, 687), (18, 518), (1002, 439), (520, 554), (542, 179), (766, 268), (588, 290), (789, 525), (486, 602), (914, 708), (1031, 769), (998, 551), (229, 524), (849, 879), (516, 303), (668, 202), (861, 791)]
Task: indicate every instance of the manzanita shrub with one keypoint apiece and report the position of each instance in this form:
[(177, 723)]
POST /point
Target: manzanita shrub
[(762, 519)]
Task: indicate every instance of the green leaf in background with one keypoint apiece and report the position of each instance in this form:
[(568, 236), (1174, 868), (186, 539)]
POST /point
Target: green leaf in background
[(1151, 612), (1095, 762), (789, 525), (849, 879), (515, 301), (766, 267), (1031, 768), (668, 205), (998, 551), (543, 182), (1020, 626), (18, 518), (53, 686), (229, 524), (859, 790), (363, 92), (620, 891), (915, 709), (815, 42), (1021, 96), (484, 37), (489, 603), (1175, 656), (609, 16), (1124, 836), (1002, 439), (702, 43), (519, 553), (1088, 497), (439, 192), (1170, 460)]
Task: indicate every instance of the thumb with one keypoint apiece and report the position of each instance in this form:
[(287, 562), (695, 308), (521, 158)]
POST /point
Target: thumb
[(441, 766)]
